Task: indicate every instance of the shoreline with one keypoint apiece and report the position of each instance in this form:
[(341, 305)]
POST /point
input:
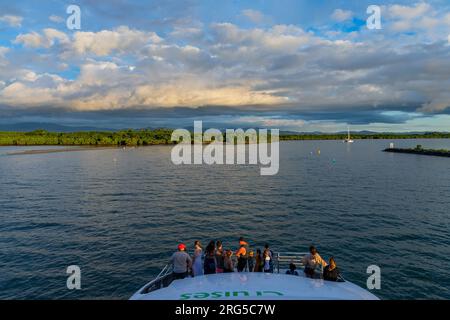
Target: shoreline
[(75, 148)]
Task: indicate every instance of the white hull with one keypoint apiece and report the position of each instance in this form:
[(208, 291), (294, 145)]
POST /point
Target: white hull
[(255, 286)]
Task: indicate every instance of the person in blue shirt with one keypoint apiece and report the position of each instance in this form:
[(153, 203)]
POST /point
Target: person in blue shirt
[(292, 270)]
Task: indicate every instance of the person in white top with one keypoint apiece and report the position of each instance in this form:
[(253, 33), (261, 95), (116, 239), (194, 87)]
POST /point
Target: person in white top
[(197, 266), (266, 257), (313, 263)]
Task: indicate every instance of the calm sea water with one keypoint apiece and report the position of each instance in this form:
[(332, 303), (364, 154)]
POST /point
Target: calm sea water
[(120, 214)]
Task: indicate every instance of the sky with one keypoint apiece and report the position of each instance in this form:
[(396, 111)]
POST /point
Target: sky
[(294, 65)]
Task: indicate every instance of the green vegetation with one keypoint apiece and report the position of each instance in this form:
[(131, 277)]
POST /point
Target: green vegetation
[(163, 136), (119, 138)]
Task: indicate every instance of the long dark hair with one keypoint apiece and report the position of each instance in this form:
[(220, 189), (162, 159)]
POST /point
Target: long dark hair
[(210, 248)]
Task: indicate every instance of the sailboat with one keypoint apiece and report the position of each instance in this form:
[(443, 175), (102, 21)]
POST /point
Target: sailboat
[(348, 140)]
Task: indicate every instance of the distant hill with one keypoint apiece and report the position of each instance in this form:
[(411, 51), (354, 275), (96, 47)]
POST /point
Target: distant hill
[(52, 127)]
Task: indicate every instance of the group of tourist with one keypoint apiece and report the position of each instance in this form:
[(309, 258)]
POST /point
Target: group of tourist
[(214, 259)]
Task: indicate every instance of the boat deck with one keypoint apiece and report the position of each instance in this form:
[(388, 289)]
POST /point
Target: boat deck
[(256, 286), (251, 286)]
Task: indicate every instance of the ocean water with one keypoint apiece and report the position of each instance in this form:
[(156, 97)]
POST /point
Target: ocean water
[(119, 214)]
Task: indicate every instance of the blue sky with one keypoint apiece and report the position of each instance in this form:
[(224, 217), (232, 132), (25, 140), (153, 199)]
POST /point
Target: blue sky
[(290, 64)]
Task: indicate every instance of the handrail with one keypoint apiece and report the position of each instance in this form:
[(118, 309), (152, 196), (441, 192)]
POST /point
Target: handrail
[(288, 257), (291, 257), (165, 270), (158, 280)]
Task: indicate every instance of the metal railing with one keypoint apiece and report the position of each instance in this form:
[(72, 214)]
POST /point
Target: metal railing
[(162, 280), (282, 260)]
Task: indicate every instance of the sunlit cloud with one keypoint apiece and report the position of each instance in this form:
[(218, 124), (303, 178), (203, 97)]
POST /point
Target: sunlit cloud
[(56, 19), (340, 15), (11, 20), (254, 16)]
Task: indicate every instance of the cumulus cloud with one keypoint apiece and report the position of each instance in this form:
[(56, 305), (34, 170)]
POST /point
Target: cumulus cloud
[(12, 20), (185, 95), (254, 16), (223, 64), (33, 40), (439, 104), (419, 16), (105, 42), (85, 95), (46, 39), (340, 15), (280, 38), (3, 52), (188, 33), (30, 96), (56, 19), (409, 12), (102, 43)]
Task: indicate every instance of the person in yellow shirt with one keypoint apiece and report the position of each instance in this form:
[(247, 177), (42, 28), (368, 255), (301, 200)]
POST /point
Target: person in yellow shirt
[(312, 262)]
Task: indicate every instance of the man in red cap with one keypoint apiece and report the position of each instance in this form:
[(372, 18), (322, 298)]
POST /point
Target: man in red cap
[(181, 262)]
